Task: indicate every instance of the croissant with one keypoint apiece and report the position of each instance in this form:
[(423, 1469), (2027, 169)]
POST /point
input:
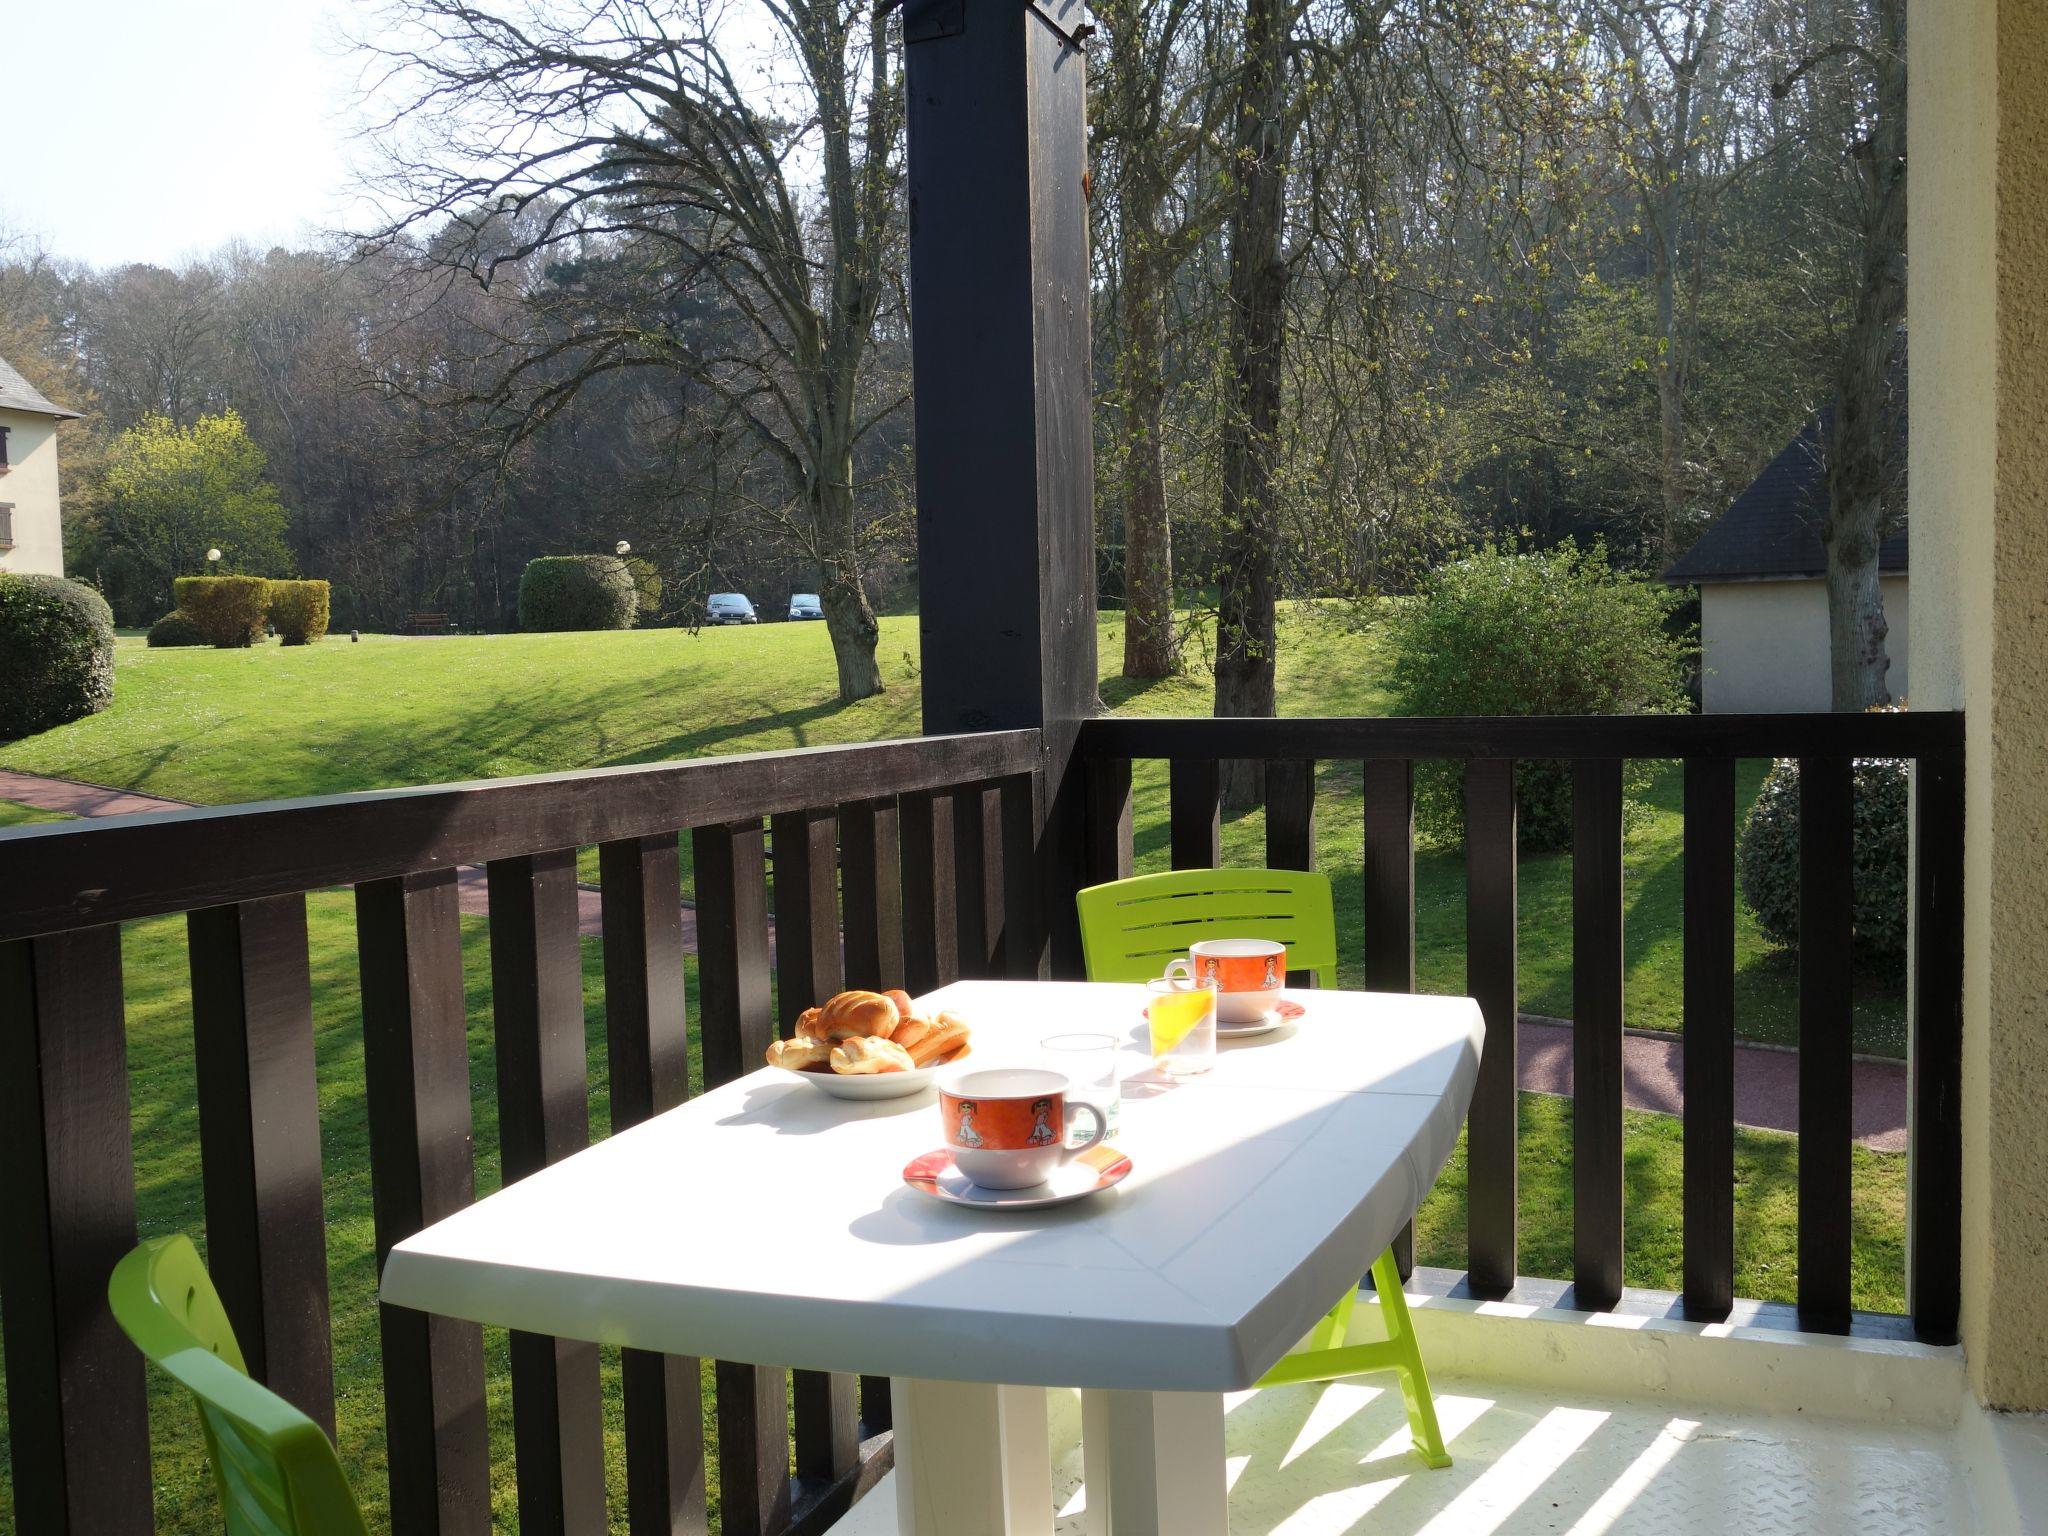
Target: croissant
[(800, 1055), (944, 1037), (862, 1054)]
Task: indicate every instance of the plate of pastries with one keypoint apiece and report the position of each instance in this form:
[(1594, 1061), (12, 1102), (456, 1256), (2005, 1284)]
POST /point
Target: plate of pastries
[(871, 1045)]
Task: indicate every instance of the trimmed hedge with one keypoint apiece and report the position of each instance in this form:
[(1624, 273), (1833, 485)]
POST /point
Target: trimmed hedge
[(56, 652), (175, 628), (558, 592), (228, 610), (298, 611), (1768, 856)]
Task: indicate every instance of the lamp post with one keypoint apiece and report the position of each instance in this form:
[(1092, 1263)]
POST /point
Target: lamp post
[(622, 549), (213, 562)]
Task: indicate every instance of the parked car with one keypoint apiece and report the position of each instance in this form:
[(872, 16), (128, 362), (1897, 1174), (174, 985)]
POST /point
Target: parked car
[(805, 605), (730, 608)]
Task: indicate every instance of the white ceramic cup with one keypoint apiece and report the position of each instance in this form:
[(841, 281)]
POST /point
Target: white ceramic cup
[(1248, 973), (1007, 1126)]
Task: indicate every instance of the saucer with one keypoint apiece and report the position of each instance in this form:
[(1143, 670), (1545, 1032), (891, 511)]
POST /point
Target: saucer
[(1099, 1168), (1286, 1011)]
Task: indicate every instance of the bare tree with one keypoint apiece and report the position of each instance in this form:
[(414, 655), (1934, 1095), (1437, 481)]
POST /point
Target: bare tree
[(761, 209)]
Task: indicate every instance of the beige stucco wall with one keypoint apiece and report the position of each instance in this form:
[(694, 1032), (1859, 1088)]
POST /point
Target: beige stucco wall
[(1979, 497), (1764, 645), (31, 485)]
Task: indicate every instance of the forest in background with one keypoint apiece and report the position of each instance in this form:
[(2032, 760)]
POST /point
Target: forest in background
[(1376, 280)]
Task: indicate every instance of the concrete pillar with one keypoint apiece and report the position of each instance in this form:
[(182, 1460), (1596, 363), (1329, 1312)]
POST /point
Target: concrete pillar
[(1978, 310)]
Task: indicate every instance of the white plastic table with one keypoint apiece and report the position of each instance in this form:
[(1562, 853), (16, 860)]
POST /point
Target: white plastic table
[(766, 1223)]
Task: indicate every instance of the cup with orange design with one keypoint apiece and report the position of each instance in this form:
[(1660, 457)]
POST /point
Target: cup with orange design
[(1248, 974), (1007, 1126)]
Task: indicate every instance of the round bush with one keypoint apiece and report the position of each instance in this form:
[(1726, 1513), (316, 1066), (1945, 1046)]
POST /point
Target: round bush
[(56, 652), (175, 628), (1768, 860), (1554, 633), (299, 611), (577, 592)]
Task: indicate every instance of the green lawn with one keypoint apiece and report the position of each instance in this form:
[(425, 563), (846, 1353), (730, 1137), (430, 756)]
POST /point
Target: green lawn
[(225, 726)]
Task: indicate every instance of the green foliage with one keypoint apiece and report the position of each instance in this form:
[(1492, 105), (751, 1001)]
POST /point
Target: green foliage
[(647, 584), (175, 628), (298, 610), (171, 493), (558, 592), (1769, 860), (228, 611), (56, 652), (1553, 633)]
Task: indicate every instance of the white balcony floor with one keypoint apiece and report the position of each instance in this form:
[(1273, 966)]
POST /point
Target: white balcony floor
[(1331, 1460)]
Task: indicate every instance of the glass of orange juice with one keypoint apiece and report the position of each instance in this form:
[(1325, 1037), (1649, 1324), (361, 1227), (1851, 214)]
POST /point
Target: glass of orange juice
[(1181, 1013)]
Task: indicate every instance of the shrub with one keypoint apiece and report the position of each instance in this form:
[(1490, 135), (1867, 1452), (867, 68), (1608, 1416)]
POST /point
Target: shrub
[(647, 584), (175, 628), (228, 610), (56, 652), (298, 610), (577, 592), (1768, 860), (1554, 633)]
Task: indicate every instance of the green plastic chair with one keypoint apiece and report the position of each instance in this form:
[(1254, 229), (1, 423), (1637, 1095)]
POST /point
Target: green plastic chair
[(274, 1468), (1129, 930)]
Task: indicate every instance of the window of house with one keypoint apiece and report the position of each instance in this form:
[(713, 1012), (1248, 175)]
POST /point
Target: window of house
[(6, 525), (3, 450)]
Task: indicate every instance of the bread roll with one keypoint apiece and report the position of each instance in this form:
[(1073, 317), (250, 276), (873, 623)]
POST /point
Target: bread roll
[(801, 1055), (946, 1038), (852, 1015), (807, 1023), (905, 1008), (860, 1054)]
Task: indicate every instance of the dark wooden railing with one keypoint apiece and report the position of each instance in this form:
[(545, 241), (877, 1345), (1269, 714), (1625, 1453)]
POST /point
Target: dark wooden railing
[(910, 859), (1597, 747), (906, 862)]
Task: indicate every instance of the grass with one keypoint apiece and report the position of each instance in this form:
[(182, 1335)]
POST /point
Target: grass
[(225, 726)]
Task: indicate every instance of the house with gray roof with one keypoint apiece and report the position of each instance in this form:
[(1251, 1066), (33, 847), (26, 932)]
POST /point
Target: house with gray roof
[(31, 511), (1760, 570)]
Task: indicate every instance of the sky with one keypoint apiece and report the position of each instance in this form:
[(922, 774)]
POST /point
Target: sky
[(155, 130)]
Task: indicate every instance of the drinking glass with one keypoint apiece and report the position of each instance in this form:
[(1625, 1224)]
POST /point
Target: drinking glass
[(1181, 1022), (1089, 1062)]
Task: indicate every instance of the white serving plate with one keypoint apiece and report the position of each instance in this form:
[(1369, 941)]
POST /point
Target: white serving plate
[(869, 1085)]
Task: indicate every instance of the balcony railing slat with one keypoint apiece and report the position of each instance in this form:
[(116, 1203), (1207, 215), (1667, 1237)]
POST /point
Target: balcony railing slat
[(416, 1068), (1934, 1262), (870, 853), (978, 879), (1023, 941), (1291, 828), (931, 941), (1709, 1045), (809, 969), (259, 1137), (1596, 1031), (1826, 1038), (738, 1024), (1492, 1171), (1389, 872), (543, 1117), (648, 1050), (1109, 819), (77, 1417), (1194, 812)]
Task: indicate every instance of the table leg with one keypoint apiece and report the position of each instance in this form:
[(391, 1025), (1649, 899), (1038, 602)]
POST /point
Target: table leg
[(971, 1460), (1153, 1462)]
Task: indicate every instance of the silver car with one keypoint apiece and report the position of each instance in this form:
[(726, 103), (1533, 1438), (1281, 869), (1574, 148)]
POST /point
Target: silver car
[(730, 608), (805, 605)]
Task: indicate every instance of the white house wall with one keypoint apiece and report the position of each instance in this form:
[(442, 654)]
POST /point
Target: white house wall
[(1764, 645), (30, 485)]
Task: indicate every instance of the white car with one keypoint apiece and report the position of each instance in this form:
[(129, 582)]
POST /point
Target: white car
[(805, 605), (730, 608)]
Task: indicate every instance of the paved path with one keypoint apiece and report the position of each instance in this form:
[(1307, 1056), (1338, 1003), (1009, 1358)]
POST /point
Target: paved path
[(1652, 1068)]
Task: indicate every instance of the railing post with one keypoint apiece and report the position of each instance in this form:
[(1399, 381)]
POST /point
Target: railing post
[(259, 1138), (871, 871), (1934, 1231), (422, 1168), (1291, 827), (1194, 812), (77, 1417), (1389, 872), (1709, 1047), (1826, 1038), (648, 1050), (1596, 1032), (1109, 819), (543, 1117), (931, 947), (1492, 1125)]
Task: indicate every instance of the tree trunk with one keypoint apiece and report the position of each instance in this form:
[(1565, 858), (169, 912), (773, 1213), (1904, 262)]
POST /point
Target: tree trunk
[(1248, 579), (849, 619), (1857, 662), (1149, 648)]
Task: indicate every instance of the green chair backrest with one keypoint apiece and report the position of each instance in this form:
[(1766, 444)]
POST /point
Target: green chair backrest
[(275, 1469), (1131, 928)]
